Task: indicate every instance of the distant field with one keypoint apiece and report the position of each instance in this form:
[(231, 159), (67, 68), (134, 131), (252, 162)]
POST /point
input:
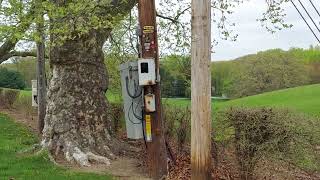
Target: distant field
[(304, 99), (15, 138)]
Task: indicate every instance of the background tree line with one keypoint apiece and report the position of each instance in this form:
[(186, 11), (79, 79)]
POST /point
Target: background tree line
[(248, 75), (266, 71)]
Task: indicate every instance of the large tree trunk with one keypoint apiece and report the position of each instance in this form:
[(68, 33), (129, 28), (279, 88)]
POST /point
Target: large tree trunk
[(76, 124)]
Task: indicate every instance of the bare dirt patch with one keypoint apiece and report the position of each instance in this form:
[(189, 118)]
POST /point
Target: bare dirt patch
[(30, 120)]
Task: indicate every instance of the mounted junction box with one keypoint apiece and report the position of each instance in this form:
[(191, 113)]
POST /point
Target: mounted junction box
[(34, 93), (150, 103), (147, 72)]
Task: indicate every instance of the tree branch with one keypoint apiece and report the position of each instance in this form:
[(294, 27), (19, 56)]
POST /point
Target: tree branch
[(168, 18), (17, 54), (10, 43)]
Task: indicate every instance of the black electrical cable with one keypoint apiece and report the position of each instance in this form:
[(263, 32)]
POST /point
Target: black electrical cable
[(306, 21), (135, 110), (314, 7), (143, 130), (134, 113), (127, 88), (315, 24), (136, 95), (128, 113)]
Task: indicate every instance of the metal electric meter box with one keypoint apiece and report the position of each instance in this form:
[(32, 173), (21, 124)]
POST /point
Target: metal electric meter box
[(132, 99), (147, 72), (34, 84)]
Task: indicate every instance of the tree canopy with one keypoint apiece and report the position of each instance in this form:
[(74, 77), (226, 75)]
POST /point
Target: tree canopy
[(19, 19)]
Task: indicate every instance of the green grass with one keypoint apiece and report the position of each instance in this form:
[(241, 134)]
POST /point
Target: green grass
[(114, 97), (15, 138), (304, 99)]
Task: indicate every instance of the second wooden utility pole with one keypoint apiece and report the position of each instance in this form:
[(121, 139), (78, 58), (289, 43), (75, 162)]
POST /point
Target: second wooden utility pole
[(201, 90), (41, 77), (156, 148)]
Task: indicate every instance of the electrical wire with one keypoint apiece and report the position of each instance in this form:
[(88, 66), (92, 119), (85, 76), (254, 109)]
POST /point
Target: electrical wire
[(129, 93), (134, 112), (314, 7), (305, 21), (143, 131), (128, 114), (136, 95), (315, 24)]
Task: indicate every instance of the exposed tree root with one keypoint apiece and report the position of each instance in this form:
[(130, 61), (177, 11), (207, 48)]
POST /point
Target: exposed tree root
[(74, 154)]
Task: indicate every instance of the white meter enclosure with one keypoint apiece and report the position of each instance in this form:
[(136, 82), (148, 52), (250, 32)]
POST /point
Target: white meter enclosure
[(147, 72)]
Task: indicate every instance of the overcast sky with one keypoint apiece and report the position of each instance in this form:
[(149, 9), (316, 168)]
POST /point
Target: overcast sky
[(254, 38)]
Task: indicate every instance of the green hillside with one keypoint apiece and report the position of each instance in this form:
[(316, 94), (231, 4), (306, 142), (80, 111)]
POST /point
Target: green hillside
[(302, 99)]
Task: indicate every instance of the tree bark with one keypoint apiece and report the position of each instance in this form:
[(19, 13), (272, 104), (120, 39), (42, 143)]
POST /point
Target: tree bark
[(77, 126), (76, 123)]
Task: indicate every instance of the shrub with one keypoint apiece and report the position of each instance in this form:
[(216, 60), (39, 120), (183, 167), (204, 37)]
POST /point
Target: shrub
[(271, 133), (117, 116), (1, 97), (11, 79), (24, 104), (178, 124), (9, 96)]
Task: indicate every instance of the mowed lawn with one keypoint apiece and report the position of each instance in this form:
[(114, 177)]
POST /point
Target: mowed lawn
[(14, 139), (305, 99)]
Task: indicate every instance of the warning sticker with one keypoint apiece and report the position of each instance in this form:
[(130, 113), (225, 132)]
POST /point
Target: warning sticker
[(148, 29), (148, 128)]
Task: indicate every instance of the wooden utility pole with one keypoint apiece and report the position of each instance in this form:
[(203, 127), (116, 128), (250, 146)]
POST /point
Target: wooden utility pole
[(201, 90), (156, 149), (41, 77)]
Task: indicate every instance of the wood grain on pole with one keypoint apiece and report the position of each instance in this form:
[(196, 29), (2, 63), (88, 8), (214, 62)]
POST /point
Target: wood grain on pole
[(201, 90), (156, 150)]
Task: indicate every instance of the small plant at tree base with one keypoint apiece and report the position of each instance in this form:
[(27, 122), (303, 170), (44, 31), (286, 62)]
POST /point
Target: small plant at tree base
[(116, 115)]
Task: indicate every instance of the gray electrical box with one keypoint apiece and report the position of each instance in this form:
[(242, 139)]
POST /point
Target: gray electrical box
[(132, 99)]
